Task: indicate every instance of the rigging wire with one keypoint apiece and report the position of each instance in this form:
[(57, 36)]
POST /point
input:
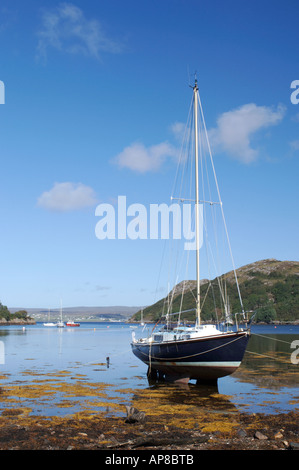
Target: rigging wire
[(181, 183), (218, 191)]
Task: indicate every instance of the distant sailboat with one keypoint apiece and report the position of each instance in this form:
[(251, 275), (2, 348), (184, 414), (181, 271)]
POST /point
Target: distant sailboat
[(60, 324), (49, 324)]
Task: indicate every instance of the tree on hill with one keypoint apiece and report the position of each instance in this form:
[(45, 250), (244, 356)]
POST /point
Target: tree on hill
[(4, 312), (6, 315), (266, 314), (269, 287), (20, 314)]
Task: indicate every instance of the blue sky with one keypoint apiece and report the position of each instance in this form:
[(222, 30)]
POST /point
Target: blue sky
[(85, 82)]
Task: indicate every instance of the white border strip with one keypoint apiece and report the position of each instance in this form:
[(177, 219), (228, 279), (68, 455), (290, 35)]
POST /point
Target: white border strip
[(194, 364)]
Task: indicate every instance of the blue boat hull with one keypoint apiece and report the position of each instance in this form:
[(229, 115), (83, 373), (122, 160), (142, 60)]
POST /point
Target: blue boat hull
[(203, 359)]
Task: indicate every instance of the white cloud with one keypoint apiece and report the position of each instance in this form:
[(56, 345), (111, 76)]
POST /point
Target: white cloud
[(294, 144), (236, 128), (233, 135), (141, 159), (65, 28), (65, 197), (102, 288), (178, 129)]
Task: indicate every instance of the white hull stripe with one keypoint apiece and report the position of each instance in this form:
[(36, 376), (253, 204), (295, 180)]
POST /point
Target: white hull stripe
[(194, 364)]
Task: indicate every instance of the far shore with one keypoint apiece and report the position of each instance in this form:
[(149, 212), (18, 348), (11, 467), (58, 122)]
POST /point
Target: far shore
[(17, 321), (31, 321)]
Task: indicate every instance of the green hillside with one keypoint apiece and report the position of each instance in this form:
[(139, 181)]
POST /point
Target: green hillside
[(21, 316), (269, 287)]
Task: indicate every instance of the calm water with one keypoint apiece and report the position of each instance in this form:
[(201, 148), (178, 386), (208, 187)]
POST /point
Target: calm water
[(70, 360)]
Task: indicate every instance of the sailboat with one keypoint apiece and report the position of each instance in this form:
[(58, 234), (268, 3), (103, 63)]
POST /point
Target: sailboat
[(60, 323), (48, 323), (141, 318), (204, 352)]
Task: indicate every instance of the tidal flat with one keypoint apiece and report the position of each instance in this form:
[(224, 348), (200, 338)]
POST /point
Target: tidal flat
[(209, 422), (58, 392)]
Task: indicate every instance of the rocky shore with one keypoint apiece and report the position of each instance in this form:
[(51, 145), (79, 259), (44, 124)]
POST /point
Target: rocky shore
[(250, 432), (17, 321)]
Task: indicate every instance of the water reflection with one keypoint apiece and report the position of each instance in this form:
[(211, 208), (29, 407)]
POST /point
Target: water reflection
[(186, 406), (267, 362), (267, 381), (59, 366)]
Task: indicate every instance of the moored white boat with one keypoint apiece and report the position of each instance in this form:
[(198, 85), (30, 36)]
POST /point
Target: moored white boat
[(60, 324), (48, 323)]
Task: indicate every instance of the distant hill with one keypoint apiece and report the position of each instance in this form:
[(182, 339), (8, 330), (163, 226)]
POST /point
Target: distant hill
[(122, 313), (269, 287)]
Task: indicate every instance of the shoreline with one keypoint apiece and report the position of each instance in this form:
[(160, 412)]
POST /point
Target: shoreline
[(4, 322), (173, 420), (31, 321), (95, 432), (153, 418)]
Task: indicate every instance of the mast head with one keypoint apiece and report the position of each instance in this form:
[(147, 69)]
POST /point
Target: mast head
[(195, 82), (195, 87)]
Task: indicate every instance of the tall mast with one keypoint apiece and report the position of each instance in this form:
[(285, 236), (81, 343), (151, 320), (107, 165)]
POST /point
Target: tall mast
[(195, 104)]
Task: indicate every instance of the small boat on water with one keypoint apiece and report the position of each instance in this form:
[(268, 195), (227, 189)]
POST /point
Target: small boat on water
[(60, 324), (72, 323), (204, 352), (48, 323)]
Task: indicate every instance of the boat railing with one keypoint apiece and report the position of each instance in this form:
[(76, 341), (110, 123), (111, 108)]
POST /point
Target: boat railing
[(245, 319)]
